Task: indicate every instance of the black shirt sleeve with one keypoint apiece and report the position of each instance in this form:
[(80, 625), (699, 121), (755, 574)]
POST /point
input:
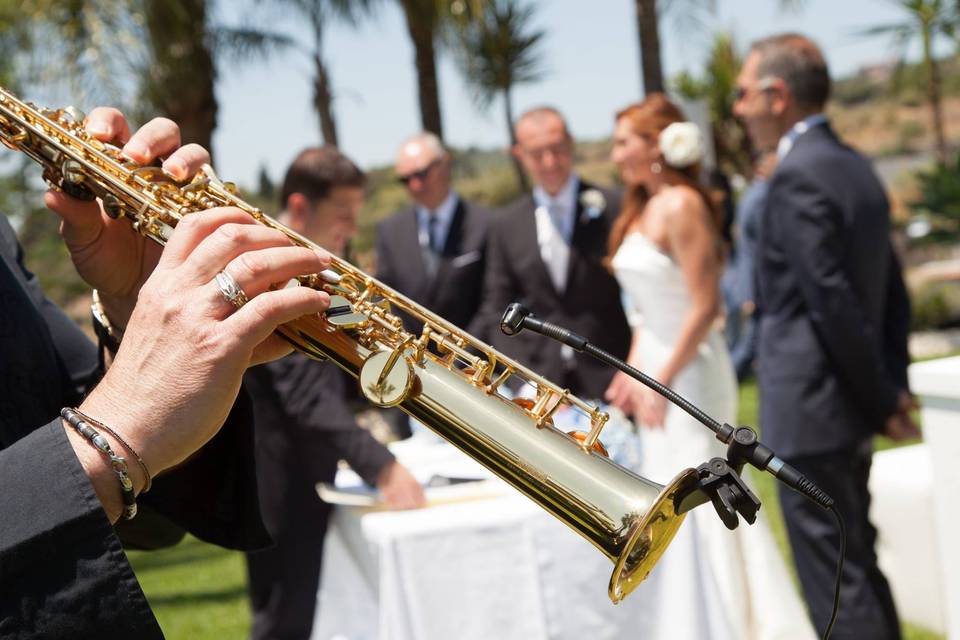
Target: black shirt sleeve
[(63, 572)]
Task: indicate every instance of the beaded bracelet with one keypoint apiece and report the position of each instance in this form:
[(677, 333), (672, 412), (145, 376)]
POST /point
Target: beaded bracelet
[(148, 477), (119, 464)]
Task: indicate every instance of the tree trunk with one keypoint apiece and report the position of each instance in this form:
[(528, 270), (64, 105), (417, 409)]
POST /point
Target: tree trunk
[(322, 102), (649, 38), (517, 166), (933, 95), (421, 23), (180, 79)]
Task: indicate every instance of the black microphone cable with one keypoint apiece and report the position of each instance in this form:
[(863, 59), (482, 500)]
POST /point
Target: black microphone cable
[(836, 589)]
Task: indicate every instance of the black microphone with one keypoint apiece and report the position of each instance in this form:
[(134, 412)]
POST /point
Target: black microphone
[(517, 318)]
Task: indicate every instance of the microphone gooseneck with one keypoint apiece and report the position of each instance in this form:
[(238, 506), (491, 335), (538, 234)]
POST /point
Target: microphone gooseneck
[(742, 441)]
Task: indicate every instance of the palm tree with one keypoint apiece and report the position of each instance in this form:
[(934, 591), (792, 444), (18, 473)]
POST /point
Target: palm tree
[(648, 35), (317, 14), (179, 79), (687, 14), (499, 50), (12, 40), (928, 20), (424, 20), (716, 88)]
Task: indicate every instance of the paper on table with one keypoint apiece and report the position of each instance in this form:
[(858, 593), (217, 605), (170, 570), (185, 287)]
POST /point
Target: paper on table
[(438, 490)]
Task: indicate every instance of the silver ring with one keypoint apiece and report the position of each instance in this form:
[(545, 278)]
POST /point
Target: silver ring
[(230, 289)]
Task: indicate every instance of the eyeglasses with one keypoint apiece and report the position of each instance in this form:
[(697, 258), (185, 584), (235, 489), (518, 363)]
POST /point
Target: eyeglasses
[(420, 175), (765, 84)]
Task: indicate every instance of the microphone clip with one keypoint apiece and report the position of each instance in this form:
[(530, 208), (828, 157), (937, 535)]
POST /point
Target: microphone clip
[(721, 484)]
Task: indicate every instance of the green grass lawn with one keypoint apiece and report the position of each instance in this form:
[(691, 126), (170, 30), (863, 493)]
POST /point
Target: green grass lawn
[(199, 592)]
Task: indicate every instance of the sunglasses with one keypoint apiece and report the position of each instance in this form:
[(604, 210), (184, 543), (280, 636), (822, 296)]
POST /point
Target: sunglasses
[(420, 175)]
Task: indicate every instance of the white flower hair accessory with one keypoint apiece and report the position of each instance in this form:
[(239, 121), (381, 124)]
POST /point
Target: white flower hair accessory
[(681, 144), (593, 203)]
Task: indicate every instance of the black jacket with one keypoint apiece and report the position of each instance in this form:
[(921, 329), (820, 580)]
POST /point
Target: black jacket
[(590, 304), (834, 311)]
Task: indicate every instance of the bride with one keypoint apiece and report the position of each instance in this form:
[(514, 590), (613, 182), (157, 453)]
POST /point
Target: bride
[(666, 252)]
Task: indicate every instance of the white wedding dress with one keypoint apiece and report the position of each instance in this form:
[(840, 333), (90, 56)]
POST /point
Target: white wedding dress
[(712, 583)]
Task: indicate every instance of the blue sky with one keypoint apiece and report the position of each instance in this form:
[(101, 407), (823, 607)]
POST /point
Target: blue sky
[(590, 56)]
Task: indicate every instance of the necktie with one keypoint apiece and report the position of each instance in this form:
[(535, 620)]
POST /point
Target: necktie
[(429, 244), (433, 232)]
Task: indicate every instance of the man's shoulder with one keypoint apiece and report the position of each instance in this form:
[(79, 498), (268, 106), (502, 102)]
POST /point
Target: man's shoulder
[(508, 214), (474, 209)]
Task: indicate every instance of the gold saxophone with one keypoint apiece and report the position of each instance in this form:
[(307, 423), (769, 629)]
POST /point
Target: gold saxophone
[(457, 393)]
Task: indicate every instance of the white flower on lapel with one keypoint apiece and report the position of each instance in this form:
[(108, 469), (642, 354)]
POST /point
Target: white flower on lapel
[(681, 144), (593, 203)]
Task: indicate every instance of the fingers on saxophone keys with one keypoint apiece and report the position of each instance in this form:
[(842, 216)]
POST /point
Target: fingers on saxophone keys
[(186, 161), (159, 137), (256, 270), (194, 228), (255, 321), (107, 124), (239, 241)]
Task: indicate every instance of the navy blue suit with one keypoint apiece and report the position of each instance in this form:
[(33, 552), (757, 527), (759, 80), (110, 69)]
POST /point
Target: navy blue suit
[(832, 358)]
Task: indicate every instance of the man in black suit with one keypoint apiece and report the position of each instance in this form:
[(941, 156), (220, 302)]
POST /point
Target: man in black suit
[(433, 252), (832, 338), (546, 251), (304, 424)]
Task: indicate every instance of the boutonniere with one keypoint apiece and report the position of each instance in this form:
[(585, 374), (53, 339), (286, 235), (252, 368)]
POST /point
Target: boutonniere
[(593, 204)]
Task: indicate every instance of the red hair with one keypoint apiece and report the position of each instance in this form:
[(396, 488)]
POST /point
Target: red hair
[(648, 119)]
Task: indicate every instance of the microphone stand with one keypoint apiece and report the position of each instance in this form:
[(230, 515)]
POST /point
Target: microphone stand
[(719, 479)]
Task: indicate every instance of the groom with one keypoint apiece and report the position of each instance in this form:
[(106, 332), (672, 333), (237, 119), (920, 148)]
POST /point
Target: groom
[(833, 327), (546, 251)]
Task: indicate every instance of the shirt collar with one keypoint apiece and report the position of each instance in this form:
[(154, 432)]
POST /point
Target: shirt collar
[(790, 137), (566, 197), (444, 214), (564, 204)]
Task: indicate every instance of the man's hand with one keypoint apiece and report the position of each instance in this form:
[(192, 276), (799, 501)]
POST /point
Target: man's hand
[(400, 490), (900, 426), (108, 253)]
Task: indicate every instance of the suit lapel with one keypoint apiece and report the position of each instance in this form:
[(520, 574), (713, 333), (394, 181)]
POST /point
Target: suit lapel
[(584, 234)]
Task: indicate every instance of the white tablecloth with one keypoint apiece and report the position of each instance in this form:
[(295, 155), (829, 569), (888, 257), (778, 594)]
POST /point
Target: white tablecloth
[(492, 567)]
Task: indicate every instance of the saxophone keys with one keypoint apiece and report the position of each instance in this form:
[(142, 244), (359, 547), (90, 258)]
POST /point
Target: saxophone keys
[(386, 378), (583, 436), (341, 314), (73, 114)]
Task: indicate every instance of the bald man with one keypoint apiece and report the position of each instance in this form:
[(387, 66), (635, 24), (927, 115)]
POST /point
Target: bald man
[(434, 250)]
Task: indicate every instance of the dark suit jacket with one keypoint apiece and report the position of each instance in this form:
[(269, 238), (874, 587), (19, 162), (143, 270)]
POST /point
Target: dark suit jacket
[(455, 290), (590, 305), (304, 427), (834, 311)]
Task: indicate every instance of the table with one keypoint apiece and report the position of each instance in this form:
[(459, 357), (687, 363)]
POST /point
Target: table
[(937, 383), (481, 562)]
